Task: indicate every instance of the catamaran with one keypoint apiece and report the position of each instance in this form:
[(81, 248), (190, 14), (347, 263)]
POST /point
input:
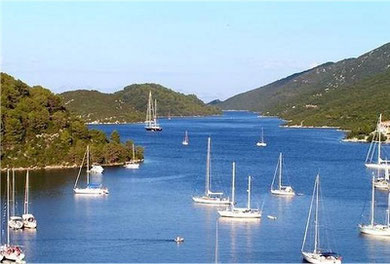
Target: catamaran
[(132, 164), (186, 141), (318, 255), (151, 115), (91, 188), (373, 228), (29, 220), (209, 197), (376, 145), (15, 222), (281, 189), (261, 143), (8, 251), (236, 212)]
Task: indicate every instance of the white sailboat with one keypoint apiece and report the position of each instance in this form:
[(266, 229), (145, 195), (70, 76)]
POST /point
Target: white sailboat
[(236, 212), (382, 182), (376, 145), (151, 115), (281, 189), (8, 251), (96, 169), (209, 197), (261, 143), (91, 188), (132, 164), (186, 140), (15, 221), (373, 228), (318, 255), (29, 220)]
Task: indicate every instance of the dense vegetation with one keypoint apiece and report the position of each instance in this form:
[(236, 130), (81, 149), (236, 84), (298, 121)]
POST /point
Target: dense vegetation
[(348, 94), (37, 131), (129, 104)]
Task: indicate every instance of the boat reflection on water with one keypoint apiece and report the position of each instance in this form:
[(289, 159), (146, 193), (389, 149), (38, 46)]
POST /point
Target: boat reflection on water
[(242, 233)]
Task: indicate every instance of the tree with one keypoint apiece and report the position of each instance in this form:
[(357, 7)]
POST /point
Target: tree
[(115, 137)]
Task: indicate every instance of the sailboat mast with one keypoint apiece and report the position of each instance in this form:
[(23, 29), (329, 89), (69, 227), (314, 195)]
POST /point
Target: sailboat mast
[(155, 111), (216, 242), (309, 216), (149, 110), (233, 182), (26, 194), (280, 171), (88, 165), (133, 152), (207, 185), (262, 135), (7, 227), (388, 209), (316, 237), (372, 201), (379, 136), (13, 192), (249, 192)]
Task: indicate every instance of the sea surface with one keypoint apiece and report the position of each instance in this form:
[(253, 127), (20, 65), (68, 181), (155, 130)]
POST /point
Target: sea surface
[(147, 208)]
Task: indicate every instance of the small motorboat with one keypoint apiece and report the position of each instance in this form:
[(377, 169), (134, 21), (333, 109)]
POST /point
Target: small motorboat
[(15, 222), (179, 239), (271, 217)]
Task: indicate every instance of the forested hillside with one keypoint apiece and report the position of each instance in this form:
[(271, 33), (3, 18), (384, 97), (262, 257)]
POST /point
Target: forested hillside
[(129, 104), (349, 94), (37, 130)]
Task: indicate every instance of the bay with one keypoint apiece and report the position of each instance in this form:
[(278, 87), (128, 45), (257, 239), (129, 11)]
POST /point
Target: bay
[(147, 208)]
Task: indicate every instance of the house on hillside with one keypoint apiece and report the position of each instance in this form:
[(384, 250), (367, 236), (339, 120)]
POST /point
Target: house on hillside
[(384, 127)]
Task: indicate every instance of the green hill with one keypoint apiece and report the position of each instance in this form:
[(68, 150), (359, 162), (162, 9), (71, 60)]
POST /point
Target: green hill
[(129, 104), (37, 130), (348, 94)]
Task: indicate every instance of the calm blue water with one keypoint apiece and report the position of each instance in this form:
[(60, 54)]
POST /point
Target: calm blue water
[(148, 207)]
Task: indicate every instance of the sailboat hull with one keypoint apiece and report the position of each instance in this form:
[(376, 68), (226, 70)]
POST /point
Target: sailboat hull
[(382, 184), (13, 253), (283, 192), (100, 191), (378, 166), (319, 258), (261, 144), (375, 230), (156, 129), (131, 166), (240, 213), (211, 200)]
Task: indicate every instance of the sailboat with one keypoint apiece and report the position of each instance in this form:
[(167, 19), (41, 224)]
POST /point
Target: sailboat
[(373, 228), (8, 251), (132, 164), (151, 115), (209, 197), (261, 143), (186, 141), (96, 168), (281, 189), (29, 220), (376, 144), (91, 188), (237, 212), (318, 255), (382, 183), (15, 222)]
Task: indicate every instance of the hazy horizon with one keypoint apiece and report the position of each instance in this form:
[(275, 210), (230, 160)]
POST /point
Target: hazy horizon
[(212, 49)]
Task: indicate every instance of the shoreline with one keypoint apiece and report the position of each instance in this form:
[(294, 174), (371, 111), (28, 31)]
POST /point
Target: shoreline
[(61, 167), (142, 122)]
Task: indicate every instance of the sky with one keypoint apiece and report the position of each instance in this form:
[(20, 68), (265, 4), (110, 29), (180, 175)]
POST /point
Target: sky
[(213, 49)]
